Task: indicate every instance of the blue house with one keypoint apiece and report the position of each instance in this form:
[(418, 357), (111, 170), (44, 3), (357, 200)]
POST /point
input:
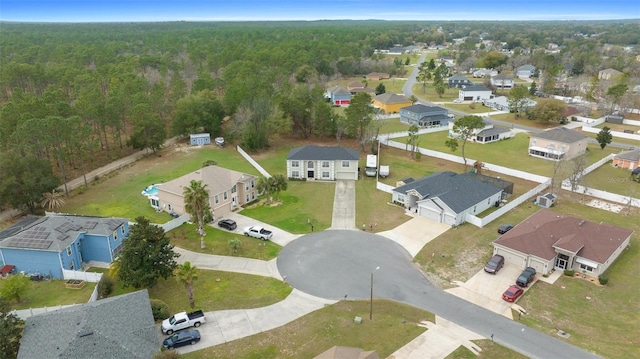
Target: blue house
[(339, 96), (424, 116), (49, 244)]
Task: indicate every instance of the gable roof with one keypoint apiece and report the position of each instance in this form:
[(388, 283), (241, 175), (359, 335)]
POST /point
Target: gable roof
[(501, 77), (492, 131), (217, 180), (338, 90), (316, 153), (527, 67), (610, 71), (55, 232), (355, 84), (560, 134), (459, 78), (545, 229), (388, 98), (116, 327), (633, 155), (423, 109), (456, 191)]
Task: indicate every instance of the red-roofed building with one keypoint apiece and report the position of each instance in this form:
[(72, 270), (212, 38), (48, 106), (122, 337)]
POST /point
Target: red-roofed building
[(548, 240)]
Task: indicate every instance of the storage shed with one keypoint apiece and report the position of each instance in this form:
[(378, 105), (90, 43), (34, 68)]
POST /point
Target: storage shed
[(199, 139)]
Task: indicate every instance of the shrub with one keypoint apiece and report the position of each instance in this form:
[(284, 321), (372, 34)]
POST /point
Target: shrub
[(105, 286), (603, 278), (209, 163), (159, 309), (569, 273)]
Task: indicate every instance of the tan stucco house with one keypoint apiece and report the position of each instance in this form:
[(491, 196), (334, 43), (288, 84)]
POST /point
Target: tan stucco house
[(558, 144), (548, 240), (228, 190)]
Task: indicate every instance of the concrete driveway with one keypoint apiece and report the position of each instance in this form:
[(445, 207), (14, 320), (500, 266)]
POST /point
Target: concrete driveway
[(280, 236), (344, 205), (414, 234), (486, 289)]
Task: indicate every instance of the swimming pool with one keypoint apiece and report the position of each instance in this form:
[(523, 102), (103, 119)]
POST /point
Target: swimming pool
[(151, 190)]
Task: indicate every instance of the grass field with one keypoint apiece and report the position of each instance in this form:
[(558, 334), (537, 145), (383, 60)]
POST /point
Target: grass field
[(52, 293)]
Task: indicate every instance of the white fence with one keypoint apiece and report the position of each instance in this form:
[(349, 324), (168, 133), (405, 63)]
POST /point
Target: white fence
[(481, 222), (384, 138), (604, 195), (253, 162), (619, 134), (175, 223), (79, 275), (631, 122)]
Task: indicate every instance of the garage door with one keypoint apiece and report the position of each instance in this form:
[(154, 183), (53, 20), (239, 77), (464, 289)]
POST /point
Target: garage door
[(511, 257), (537, 265), (345, 176), (428, 213), (449, 219), (468, 98)]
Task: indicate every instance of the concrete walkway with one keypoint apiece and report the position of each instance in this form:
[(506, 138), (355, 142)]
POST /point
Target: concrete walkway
[(440, 340), (226, 325), (229, 264)]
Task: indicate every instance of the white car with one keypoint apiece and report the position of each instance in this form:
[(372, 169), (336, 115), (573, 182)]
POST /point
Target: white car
[(457, 100)]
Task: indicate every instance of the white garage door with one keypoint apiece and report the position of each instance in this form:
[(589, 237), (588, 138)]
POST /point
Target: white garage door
[(513, 258), (537, 265), (428, 213)]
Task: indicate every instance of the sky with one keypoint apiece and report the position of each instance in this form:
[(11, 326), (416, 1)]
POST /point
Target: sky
[(274, 10)]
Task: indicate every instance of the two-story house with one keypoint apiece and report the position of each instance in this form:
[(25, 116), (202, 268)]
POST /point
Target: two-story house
[(525, 71), (458, 81), (228, 190), (502, 81), (339, 96), (390, 102), (557, 144), (424, 116), (326, 163)]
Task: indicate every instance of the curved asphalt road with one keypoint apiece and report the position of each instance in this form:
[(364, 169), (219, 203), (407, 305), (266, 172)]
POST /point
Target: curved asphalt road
[(338, 263)]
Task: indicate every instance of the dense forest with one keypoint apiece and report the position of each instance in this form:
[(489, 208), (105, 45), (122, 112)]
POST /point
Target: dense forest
[(74, 96)]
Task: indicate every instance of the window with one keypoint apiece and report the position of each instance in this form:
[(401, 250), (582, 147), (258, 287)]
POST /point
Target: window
[(115, 235), (295, 164), (69, 251), (295, 174), (325, 174), (325, 164), (72, 265), (234, 189), (247, 197), (224, 195), (246, 186), (310, 164), (586, 267), (345, 164), (216, 199), (253, 195), (122, 229), (253, 184)]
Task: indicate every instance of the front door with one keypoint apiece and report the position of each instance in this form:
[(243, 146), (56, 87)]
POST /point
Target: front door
[(562, 261)]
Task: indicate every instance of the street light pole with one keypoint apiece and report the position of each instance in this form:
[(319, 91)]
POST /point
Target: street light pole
[(371, 297)]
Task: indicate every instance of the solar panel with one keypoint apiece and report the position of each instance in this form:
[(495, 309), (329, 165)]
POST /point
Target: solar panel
[(29, 243)]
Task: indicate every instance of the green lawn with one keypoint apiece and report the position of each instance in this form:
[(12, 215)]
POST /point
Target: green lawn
[(470, 108), (490, 350), (393, 125), (511, 117), (393, 325), (612, 179), (216, 290), (429, 93), (52, 293), (217, 242)]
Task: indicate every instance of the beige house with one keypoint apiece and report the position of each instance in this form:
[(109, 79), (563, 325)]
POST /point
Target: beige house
[(228, 190), (608, 74), (548, 240), (558, 144)]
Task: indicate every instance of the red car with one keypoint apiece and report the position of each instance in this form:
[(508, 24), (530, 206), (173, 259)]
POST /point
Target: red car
[(513, 293)]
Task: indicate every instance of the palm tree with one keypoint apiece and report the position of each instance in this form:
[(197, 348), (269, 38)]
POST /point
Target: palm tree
[(52, 200), (235, 243), (264, 187), (196, 201), (279, 184), (186, 275)]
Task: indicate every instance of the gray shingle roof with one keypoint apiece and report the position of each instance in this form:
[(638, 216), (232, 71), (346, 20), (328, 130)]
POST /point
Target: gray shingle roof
[(389, 98), (456, 191), (475, 88), (561, 134), (317, 153), (458, 78), (422, 109), (633, 155), (492, 131), (55, 232), (116, 327)]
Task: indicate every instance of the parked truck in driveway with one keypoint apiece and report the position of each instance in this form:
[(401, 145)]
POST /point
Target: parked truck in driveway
[(258, 232), (371, 166), (182, 320)]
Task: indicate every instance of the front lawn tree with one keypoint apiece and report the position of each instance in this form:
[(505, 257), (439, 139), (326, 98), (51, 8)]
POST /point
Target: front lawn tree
[(146, 257), (359, 115), (187, 274), (518, 97), (380, 89), (464, 128), (547, 111), (279, 183), (196, 202), (604, 137)]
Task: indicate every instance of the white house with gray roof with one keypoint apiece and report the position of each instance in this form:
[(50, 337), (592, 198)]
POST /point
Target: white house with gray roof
[(446, 197), (557, 144), (474, 93), (424, 116), (525, 71), (112, 328), (47, 245), (322, 163)]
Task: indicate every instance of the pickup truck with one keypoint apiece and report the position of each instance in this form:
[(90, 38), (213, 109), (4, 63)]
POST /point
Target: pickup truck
[(258, 232), (183, 320)]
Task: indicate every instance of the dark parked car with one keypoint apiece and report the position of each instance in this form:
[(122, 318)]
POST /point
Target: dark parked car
[(504, 228), (512, 293), (495, 263), (527, 276), (228, 224), (182, 338)]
